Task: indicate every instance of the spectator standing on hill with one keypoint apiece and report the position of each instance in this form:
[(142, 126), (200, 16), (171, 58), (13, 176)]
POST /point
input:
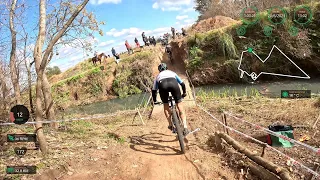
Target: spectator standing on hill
[(144, 38), (154, 41), (116, 55), (128, 47), (150, 40), (184, 32), (173, 33), (137, 42)]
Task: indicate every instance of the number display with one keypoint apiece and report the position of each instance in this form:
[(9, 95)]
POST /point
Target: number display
[(19, 114)]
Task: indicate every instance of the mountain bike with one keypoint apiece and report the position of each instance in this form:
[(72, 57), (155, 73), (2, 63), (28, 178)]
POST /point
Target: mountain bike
[(177, 123)]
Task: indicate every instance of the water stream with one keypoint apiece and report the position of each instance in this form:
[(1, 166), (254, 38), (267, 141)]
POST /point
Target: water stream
[(268, 89)]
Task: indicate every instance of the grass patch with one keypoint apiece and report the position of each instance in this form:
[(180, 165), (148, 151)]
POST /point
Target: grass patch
[(134, 75), (116, 137), (215, 54)]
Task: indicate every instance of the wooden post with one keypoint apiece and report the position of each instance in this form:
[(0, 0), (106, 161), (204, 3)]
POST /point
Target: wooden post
[(315, 123), (316, 168), (145, 107), (134, 117), (222, 119), (263, 150), (141, 117), (225, 122)]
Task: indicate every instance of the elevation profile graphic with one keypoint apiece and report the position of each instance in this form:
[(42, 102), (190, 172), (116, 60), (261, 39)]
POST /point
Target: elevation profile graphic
[(275, 64)]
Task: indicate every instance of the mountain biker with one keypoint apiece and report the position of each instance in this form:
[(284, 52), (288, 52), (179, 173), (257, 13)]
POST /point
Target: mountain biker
[(173, 33), (184, 32), (167, 81), (168, 50)]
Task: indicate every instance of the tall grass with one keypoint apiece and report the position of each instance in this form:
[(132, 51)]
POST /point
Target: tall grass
[(227, 92)]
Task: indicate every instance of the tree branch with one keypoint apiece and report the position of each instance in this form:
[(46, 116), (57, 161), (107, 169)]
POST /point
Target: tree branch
[(61, 32)]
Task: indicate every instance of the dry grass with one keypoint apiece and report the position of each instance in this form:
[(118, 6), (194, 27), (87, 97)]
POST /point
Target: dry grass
[(300, 113)]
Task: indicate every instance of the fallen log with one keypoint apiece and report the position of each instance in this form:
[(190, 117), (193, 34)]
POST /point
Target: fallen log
[(257, 170), (281, 172)]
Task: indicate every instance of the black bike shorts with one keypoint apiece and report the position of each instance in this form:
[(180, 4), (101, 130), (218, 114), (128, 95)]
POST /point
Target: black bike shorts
[(169, 85)]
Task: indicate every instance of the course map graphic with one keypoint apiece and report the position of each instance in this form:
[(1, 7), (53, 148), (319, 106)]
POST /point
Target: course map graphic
[(254, 76)]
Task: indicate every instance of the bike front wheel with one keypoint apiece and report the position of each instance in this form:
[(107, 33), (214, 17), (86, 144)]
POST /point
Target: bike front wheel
[(176, 123)]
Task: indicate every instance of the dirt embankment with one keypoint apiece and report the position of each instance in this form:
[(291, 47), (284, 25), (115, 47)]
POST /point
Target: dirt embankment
[(215, 45), (212, 23), (86, 83)]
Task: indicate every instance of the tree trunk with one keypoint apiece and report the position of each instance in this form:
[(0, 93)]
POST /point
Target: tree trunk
[(39, 130), (46, 90), (40, 71), (13, 68), (28, 67), (4, 90)]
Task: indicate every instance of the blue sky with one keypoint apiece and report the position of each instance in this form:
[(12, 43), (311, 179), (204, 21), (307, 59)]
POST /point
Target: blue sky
[(127, 19)]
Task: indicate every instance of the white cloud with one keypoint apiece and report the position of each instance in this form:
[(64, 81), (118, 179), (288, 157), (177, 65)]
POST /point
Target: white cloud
[(182, 17), (115, 33), (188, 10), (155, 5), (188, 21), (171, 5), (106, 43), (98, 2), (171, 9)]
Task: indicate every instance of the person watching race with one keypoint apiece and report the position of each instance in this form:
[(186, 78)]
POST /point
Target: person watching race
[(168, 81)]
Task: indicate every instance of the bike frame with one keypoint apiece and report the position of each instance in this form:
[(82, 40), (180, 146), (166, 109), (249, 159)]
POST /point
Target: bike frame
[(172, 106)]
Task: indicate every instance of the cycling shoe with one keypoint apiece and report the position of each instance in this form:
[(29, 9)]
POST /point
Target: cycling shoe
[(186, 131), (172, 129)]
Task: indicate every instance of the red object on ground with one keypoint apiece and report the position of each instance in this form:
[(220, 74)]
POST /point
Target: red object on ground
[(269, 139)]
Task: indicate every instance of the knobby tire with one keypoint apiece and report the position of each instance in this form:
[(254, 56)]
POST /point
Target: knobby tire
[(179, 130)]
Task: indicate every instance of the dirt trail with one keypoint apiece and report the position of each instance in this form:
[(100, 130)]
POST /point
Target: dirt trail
[(153, 152)]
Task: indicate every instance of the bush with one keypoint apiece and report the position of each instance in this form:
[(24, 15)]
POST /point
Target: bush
[(50, 71), (134, 75)]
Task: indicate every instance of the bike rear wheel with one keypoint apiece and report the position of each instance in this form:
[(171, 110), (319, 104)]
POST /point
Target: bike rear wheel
[(176, 123)]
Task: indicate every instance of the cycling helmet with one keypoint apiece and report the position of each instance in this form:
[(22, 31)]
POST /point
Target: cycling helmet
[(162, 67)]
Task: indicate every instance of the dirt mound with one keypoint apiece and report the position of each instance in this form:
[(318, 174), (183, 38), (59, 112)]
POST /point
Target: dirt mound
[(212, 23)]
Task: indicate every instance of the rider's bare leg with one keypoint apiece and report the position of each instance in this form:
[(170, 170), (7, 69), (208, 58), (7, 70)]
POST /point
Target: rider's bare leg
[(182, 114), (167, 113)]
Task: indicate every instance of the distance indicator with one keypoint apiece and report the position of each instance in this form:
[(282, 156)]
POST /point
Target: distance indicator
[(302, 15), (21, 138), (249, 15), (19, 114), (21, 170), (277, 15), (292, 94)]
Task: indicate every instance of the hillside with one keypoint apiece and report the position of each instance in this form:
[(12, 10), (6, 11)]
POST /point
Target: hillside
[(86, 83), (214, 47)]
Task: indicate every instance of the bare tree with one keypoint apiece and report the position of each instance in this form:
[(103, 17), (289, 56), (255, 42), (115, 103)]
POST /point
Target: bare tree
[(28, 68), (75, 35), (13, 68), (4, 90), (41, 60)]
